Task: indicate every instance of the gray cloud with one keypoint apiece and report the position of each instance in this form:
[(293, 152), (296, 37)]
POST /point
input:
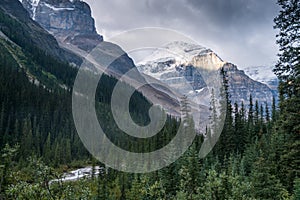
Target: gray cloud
[(240, 31)]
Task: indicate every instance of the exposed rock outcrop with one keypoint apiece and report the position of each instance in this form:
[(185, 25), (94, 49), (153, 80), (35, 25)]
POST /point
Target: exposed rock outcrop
[(31, 29), (179, 63), (242, 86), (70, 21)]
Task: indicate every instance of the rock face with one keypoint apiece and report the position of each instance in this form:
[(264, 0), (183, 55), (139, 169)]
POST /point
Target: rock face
[(242, 86), (176, 63), (179, 63), (40, 38), (263, 74), (70, 21)]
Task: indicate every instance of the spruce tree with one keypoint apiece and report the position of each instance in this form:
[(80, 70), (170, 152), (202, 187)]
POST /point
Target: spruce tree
[(288, 71), (226, 143)]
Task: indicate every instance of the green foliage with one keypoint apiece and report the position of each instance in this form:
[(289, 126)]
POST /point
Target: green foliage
[(7, 155), (297, 189), (257, 156), (265, 184), (288, 69)]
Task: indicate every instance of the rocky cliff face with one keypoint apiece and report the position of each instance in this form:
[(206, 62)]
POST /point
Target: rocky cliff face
[(263, 74), (70, 21), (242, 86), (175, 64), (39, 37), (179, 63)]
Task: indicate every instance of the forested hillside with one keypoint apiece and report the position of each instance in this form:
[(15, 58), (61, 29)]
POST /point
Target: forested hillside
[(256, 157)]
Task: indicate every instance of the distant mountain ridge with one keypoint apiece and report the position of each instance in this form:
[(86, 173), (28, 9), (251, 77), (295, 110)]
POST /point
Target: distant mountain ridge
[(61, 19), (263, 74), (179, 62), (71, 23)]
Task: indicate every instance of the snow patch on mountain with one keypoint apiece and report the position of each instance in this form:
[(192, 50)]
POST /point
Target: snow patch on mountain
[(58, 8), (180, 51), (263, 74), (34, 4), (166, 61), (180, 65), (192, 69)]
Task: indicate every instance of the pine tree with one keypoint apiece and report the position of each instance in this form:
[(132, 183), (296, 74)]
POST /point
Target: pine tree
[(190, 171), (256, 119), (7, 155), (267, 113), (251, 137), (226, 143), (1, 123), (250, 112), (115, 191), (47, 149), (27, 141), (274, 110), (297, 189), (213, 108), (265, 184), (288, 67), (185, 110), (238, 126), (288, 71), (169, 178), (135, 191)]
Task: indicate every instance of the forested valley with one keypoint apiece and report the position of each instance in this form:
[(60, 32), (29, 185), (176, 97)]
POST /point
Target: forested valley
[(256, 157)]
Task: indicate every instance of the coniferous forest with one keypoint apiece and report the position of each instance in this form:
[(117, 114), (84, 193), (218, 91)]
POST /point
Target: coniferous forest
[(256, 157)]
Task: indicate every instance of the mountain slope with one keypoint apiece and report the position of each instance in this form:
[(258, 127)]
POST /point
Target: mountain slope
[(36, 97), (23, 39), (63, 19), (263, 74), (21, 28), (69, 21), (72, 25), (180, 62)]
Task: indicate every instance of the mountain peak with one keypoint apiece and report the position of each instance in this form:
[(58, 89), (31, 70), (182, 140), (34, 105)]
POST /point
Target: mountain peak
[(179, 63), (183, 53), (185, 47), (70, 21)]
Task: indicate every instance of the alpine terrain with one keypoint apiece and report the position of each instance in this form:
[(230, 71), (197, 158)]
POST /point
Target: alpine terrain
[(181, 62), (204, 129)]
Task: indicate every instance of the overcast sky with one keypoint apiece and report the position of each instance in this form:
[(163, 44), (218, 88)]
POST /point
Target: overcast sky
[(239, 31)]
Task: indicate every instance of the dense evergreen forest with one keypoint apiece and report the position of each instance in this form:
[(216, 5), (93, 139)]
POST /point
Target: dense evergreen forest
[(256, 157)]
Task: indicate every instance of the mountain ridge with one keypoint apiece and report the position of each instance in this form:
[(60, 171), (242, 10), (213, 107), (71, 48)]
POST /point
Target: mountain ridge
[(166, 65), (193, 55)]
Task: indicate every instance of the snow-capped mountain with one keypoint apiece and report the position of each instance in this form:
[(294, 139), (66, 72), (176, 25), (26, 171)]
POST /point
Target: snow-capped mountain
[(179, 64), (174, 65), (263, 74), (185, 67), (184, 53), (71, 23)]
